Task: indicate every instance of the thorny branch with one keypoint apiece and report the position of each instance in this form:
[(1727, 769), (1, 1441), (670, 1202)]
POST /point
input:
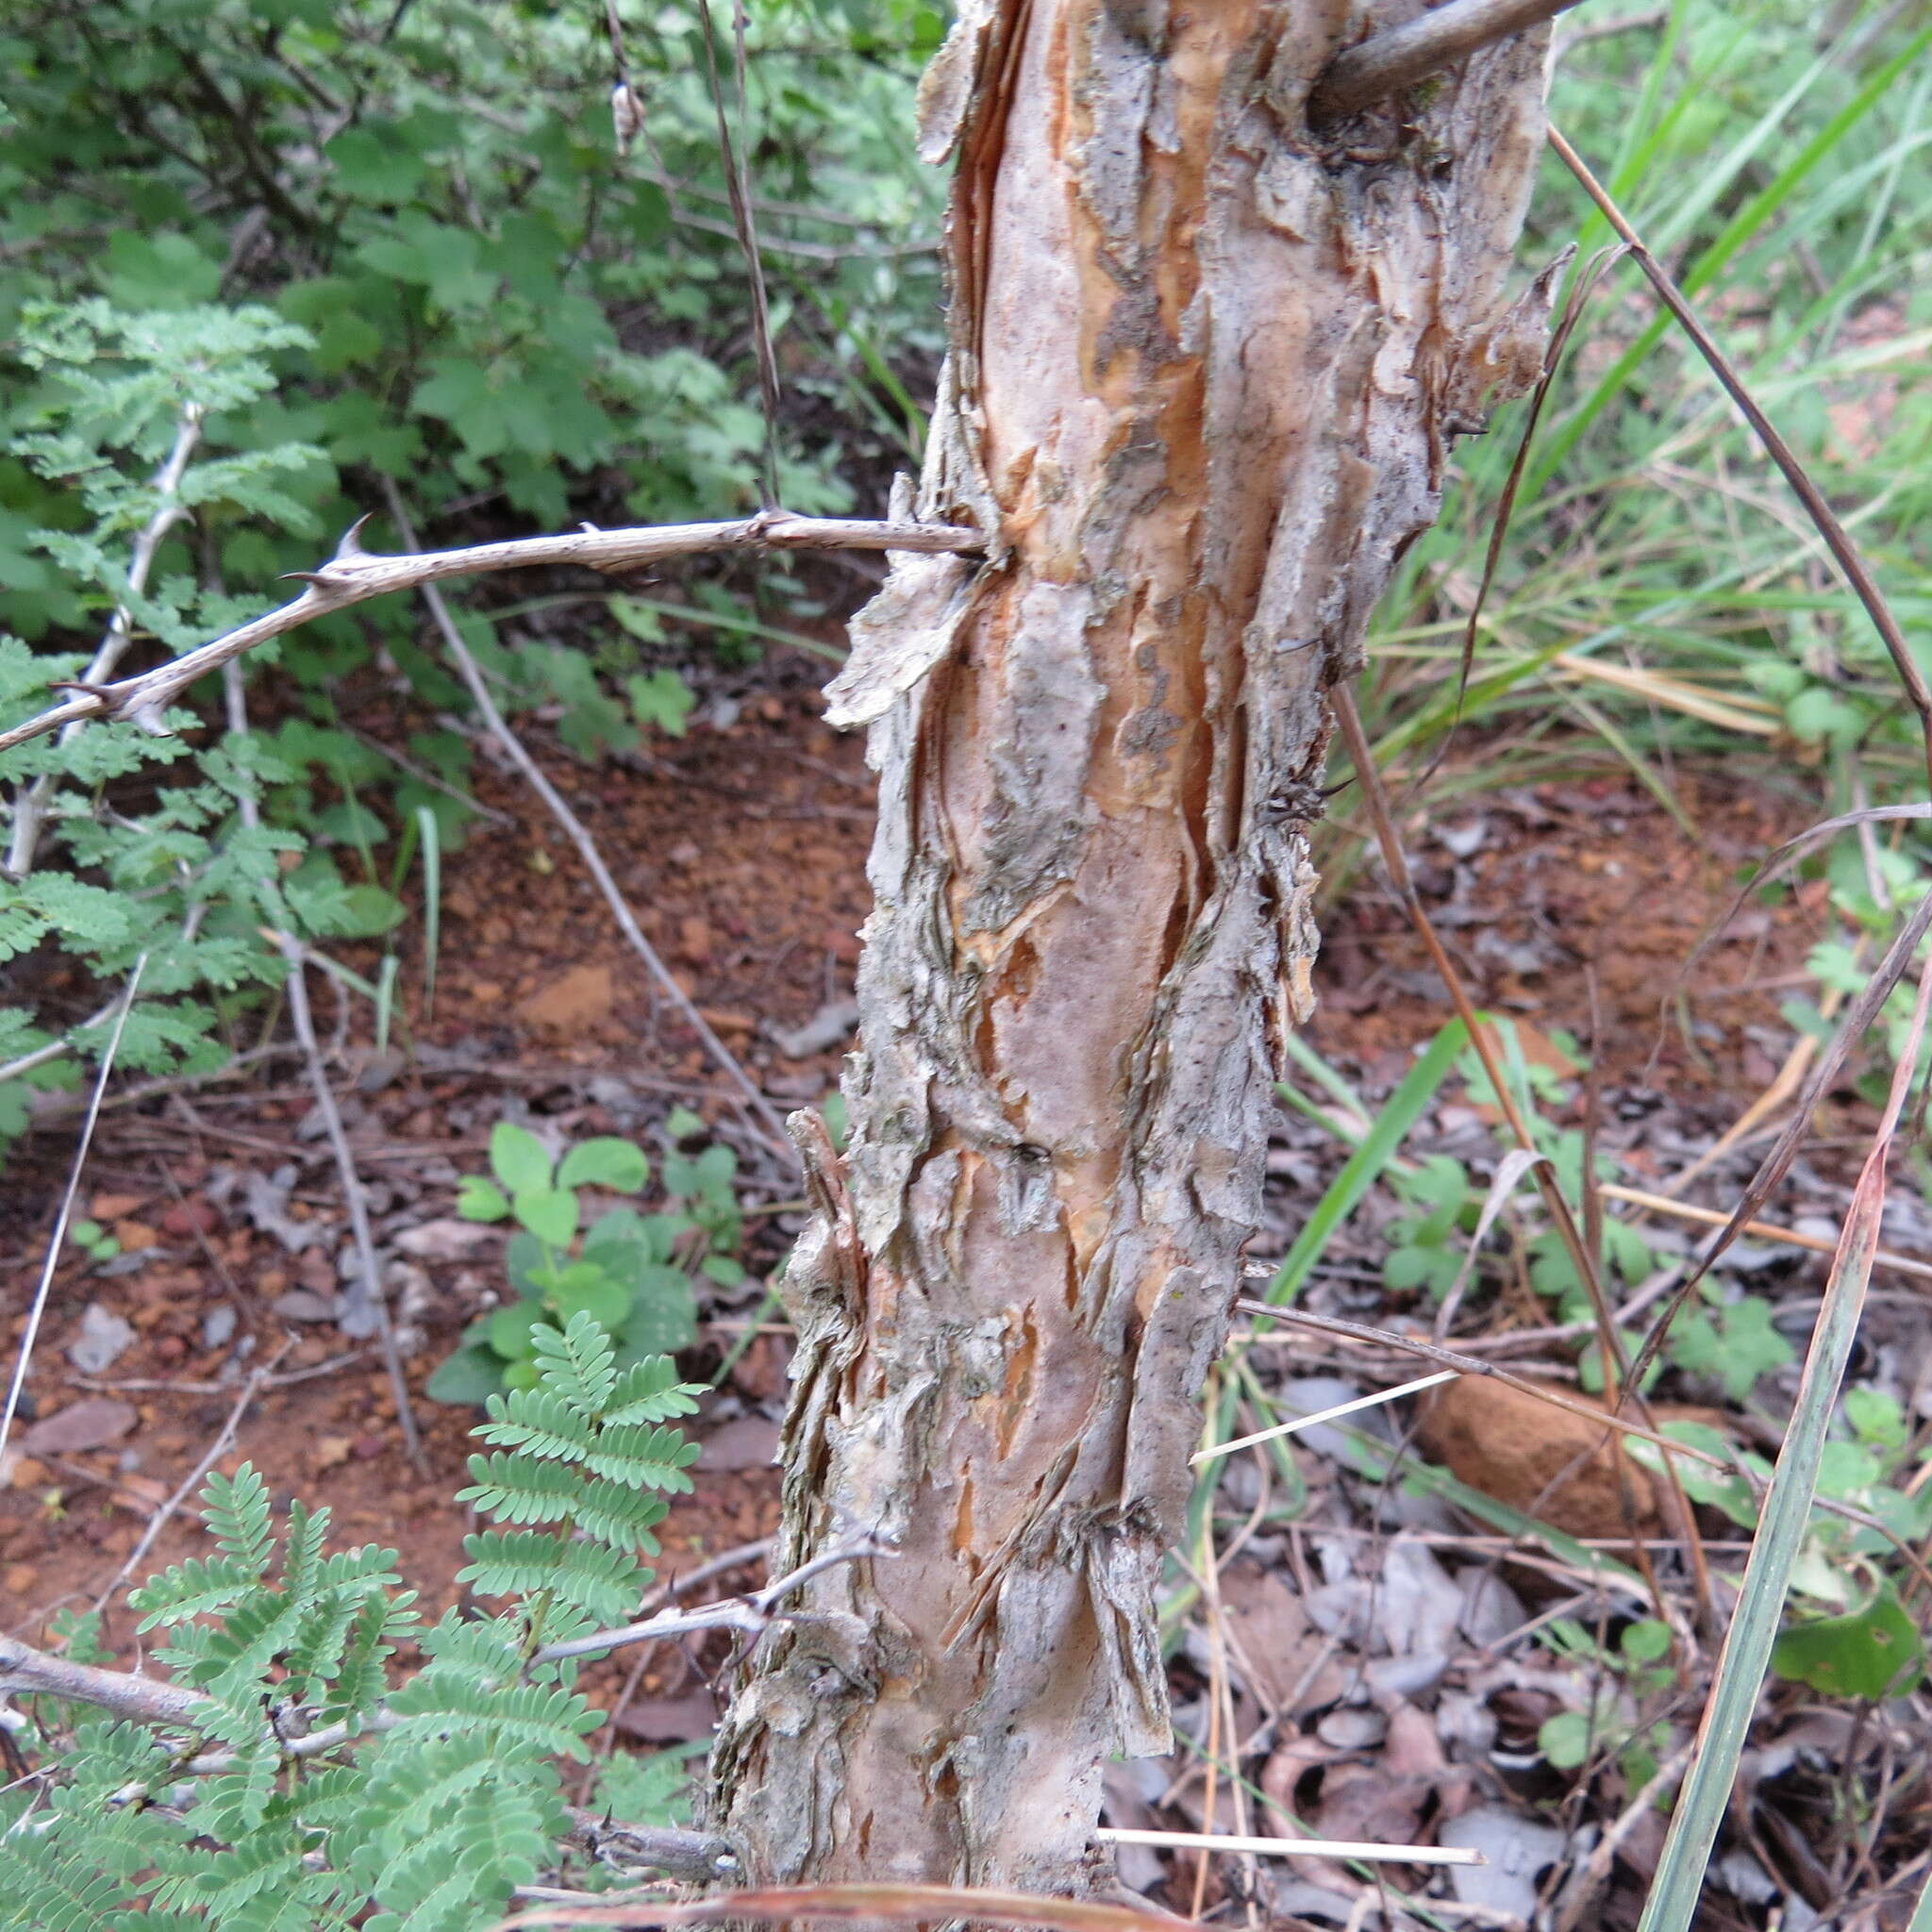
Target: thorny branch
[(749, 1615), (354, 575), (579, 836)]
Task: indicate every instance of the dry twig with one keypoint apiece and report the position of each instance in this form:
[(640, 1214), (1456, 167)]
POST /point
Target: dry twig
[(579, 836), (1388, 63), (225, 1437), (354, 575), (170, 510)]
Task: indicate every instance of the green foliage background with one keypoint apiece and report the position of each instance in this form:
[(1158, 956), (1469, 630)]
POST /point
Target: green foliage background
[(393, 244)]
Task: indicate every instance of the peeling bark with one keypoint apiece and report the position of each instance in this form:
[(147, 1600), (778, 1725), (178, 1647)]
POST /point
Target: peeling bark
[(1204, 367)]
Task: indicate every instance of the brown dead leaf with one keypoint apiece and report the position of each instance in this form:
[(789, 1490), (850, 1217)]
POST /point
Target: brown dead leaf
[(446, 1240), (331, 1451), (1275, 1646), (89, 1424), (1511, 1446), (1413, 1748), (1287, 1764), (669, 1719), (1363, 1802)]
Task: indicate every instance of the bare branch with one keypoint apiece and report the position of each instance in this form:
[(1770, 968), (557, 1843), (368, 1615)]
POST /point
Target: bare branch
[(354, 575), (696, 1856), (28, 1672), (750, 1615), (579, 835), (1387, 64)]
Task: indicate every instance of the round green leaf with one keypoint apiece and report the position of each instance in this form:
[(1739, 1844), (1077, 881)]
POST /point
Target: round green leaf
[(368, 912), (469, 1375), (587, 1289), (1564, 1739), (1874, 1651), (605, 1162), (478, 1198), (527, 1265), (663, 1316), (549, 1213), (620, 1245), (518, 1158), (1646, 1640)]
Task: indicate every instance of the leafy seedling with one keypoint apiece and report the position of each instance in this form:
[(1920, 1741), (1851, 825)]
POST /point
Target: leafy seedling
[(93, 1241), (628, 1272)]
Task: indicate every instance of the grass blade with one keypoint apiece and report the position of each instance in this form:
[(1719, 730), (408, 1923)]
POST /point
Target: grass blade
[(1845, 553), (432, 906), (1741, 228), (385, 999), (1364, 1167), (1787, 1513)]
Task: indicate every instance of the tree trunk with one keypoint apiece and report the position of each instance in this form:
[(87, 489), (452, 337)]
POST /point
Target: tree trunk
[(1205, 366)]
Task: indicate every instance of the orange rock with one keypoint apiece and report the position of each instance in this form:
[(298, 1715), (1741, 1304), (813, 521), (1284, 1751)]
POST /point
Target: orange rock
[(1513, 1447), (580, 998)]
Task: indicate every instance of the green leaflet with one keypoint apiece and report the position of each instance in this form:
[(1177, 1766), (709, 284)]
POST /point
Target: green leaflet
[(434, 1814)]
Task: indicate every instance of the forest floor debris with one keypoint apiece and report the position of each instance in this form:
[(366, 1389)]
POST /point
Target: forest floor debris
[(1369, 1658)]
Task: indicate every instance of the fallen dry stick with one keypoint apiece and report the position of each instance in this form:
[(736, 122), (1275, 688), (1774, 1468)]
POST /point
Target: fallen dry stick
[(1290, 1848), (1764, 1231)]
